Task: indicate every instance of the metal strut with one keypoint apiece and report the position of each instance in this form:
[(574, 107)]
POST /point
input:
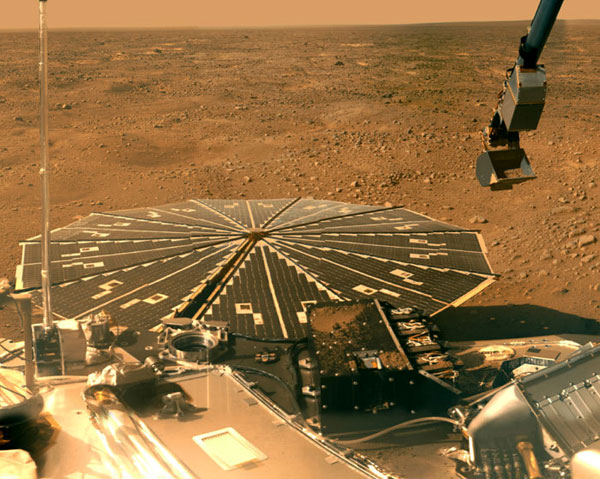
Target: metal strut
[(49, 360), (45, 168)]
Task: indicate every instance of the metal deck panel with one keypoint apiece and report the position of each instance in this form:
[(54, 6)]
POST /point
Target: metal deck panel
[(227, 404)]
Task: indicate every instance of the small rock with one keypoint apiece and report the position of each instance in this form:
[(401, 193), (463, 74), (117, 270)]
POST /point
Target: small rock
[(478, 219), (542, 272), (65, 106), (588, 258), (586, 240), (19, 119), (562, 209), (339, 63), (387, 204), (246, 179), (354, 184), (4, 285)]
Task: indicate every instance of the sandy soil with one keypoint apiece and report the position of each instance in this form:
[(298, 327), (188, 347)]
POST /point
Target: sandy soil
[(359, 114)]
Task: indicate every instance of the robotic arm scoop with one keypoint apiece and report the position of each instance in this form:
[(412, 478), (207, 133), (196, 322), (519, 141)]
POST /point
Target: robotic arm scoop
[(504, 163)]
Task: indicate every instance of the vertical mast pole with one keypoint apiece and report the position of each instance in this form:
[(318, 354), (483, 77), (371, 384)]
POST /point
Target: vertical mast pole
[(44, 169)]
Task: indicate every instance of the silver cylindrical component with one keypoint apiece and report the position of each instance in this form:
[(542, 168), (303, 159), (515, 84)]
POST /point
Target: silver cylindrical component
[(194, 346), (97, 331)]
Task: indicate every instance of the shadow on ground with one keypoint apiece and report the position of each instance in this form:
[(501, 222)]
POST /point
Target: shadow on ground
[(509, 321)]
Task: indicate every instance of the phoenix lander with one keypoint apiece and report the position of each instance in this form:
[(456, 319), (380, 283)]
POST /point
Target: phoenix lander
[(263, 338)]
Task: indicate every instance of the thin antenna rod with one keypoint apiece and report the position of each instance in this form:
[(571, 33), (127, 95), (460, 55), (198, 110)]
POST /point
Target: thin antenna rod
[(44, 170)]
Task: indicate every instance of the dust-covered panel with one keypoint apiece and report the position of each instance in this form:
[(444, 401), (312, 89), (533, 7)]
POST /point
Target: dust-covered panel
[(74, 260), (356, 277), (263, 212), (190, 212), (394, 220), (141, 295), (432, 249), (267, 297), (99, 226), (311, 211), (287, 254)]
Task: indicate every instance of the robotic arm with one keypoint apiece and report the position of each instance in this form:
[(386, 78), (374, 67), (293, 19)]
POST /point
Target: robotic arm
[(504, 163)]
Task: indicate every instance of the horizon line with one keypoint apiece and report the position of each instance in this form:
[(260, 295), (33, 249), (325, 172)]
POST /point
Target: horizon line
[(276, 26)]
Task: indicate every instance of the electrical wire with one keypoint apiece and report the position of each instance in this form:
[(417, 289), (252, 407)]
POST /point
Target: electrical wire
[(12, 352), (291, 365), (401, 425), (477, 398), (250, 370), (4, 366), (63, 379), (13, 391), (268, 340)]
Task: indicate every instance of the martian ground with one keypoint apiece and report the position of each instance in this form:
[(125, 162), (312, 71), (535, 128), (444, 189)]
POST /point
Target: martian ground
[(374, 115)]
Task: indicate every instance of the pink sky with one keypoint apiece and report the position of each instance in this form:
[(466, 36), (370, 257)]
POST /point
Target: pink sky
[(175, 13)]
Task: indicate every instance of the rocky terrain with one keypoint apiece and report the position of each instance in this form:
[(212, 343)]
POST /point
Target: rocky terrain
[(376, 115)]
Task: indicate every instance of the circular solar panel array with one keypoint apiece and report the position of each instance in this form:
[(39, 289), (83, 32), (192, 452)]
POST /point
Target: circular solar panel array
[(256, 264)]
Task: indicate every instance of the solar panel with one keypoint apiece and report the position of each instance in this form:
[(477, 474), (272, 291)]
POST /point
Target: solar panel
[(258, 264)]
